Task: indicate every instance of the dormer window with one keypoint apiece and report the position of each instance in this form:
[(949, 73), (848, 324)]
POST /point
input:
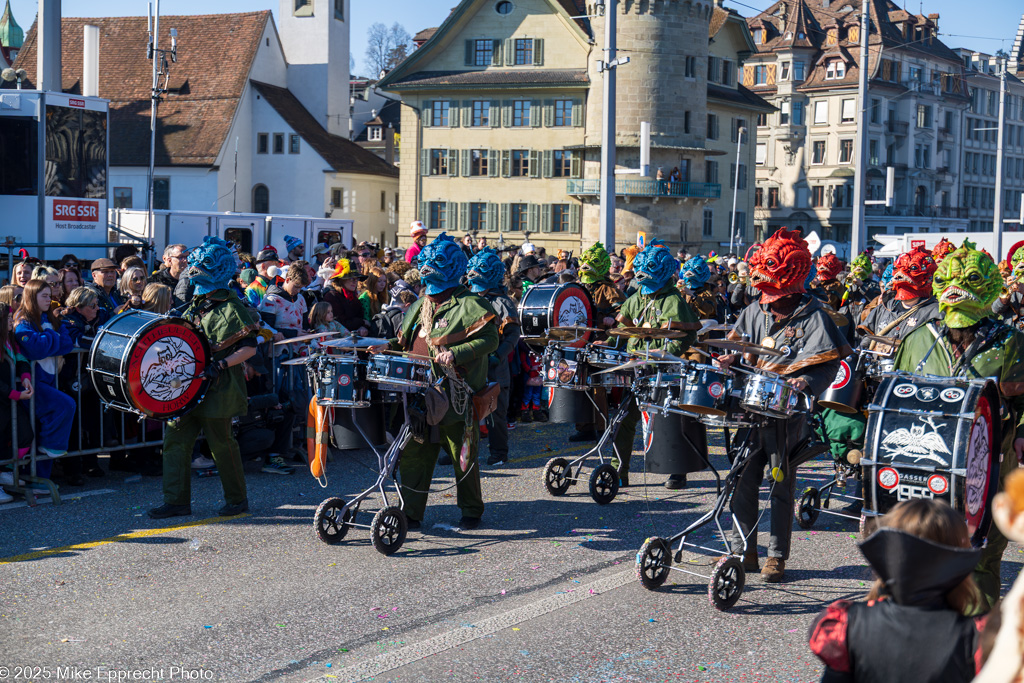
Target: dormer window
[(758, 35), (375, 133), (835, 70)]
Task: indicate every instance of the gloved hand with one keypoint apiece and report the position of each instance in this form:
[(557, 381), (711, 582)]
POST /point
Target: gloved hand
[(213, 370)]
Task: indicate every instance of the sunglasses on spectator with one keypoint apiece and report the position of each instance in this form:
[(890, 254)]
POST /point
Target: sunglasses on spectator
[(364, 255), (70, 264)]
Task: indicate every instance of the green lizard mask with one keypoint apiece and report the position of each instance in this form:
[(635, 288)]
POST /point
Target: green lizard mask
[(966, 284), (594, 264), (861, 268)]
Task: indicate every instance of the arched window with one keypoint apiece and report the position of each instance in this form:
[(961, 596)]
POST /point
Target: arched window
[(260, 199)]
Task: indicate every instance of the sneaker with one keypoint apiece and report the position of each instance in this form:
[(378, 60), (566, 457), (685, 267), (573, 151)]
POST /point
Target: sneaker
[(539, 415), (202, 463), (7, 479), (774, 570), (511, 426), (5, 497), (52, 453), (590, 435), (230, 510), (497, 459), (276, 465), (167, 510)]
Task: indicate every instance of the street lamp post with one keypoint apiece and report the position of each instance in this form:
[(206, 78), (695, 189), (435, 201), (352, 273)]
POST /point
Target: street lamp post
[(858, 237), (160, 68), (735, 189), (997, 220)]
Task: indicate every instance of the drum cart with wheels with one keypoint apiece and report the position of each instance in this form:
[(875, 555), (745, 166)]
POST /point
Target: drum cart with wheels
[(816, 500)]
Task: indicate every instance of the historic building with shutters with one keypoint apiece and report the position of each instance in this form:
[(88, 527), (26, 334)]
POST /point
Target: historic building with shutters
[(502, 111), (807, 65)]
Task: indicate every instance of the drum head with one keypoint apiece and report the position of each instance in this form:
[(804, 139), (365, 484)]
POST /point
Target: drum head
[(558, 305), (982, 465), (165, 368)]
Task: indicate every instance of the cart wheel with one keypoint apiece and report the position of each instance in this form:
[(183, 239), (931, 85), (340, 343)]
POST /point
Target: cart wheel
[(556, 476), (867, 525), (727, 581), (330, 522), (808, 508), (604, 484), (652, 562), (388, 529)]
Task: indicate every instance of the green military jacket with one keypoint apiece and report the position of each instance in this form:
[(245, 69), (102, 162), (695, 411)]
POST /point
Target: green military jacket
[(226, 322), (467, 326), (999, 357), (664, 308)]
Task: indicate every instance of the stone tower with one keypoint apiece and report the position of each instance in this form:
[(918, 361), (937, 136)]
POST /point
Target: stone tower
[(664, 83)]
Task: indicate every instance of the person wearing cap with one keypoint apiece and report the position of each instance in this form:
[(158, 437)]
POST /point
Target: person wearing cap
[(341, 293), (389, 256), (296, 249), (267, 267), (419, 240), (104, 282), (531, 271), (321, 252)]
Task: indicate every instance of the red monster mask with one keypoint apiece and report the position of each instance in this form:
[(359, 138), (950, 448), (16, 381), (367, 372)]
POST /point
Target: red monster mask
[(940, 250), (829, 266), (780, 267), (912, 274)]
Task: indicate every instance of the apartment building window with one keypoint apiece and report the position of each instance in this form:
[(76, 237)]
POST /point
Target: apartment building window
[(849, 111), (798, 113), (821, 112), (339, 10), (709, 223), (818, 152), (846, 151), (524, 51), (521, 113), (758, 35), (478, 164), (949, 121), (439, 112), (686, 122), (520, 163), (798, 71), (873, 153), (762, 119), (761, 155), (518, 217), (262, 143), (477, 217), (374, 133), (924, 116), (758, 197), (438, 215), (560, 215), (561, 164), (278, 143), (876, 110), (690, 67), (438, 162), (293, 144), (818, 196), (760, 74), (742, 176), (728, 69), (712, 127), (483, 52), (714, 64), (710, 171), (784, 71), (773, 197), (337, 195), (162, 193), (563, 113), (481, 113), (835, 70), (303, 8), (785, 113)]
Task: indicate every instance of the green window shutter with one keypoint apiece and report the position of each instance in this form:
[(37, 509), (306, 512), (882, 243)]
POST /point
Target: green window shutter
[(493, 163), (574, 218), (506, 113), (506, 163), (547, 169), (534, 163), (467, 161), (492, 217), (428, 114), (453, 113), (533, 218), (469, 53), (549, 113), (464, 217), (453, 162), (496, 60), (425, 214), (495, 113), (576, 165), (506, 218), (453, 216), (538, 51), (577, 113), (545, 221), (424, 162), (536, 113), (510, 51)]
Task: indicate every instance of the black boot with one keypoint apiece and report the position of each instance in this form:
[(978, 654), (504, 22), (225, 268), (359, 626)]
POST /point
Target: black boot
[(676, 482)]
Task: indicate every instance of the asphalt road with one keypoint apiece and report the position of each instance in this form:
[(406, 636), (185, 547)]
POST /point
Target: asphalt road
[(544, 591)]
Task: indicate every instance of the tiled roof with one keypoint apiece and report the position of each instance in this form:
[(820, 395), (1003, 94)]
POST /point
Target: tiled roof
[(718, 17), (424, 35), (343, 155), (524, 77), (215, 54), (577, 8)]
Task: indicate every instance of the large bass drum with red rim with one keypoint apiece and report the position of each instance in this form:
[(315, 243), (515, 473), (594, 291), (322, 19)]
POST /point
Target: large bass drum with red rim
[(934, 437), (556, 305), (149, 364)]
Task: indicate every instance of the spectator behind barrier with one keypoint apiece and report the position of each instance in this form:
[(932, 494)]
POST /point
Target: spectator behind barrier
[(321, 319), (20, 391), (372, 291), (157, 298), (69, 279), (131, 286)]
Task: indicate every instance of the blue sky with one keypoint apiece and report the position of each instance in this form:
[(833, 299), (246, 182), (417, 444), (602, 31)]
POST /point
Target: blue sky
[(961, 23)]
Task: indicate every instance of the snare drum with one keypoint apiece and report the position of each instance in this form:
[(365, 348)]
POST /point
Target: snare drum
[(149, 364), (769, 396), (846, 393), (704, 389), (565, 367), (603, 356), (398, 373), (659, 394), (556, 305), (340, 382)]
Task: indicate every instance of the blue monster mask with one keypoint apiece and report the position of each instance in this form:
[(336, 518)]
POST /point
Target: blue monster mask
[(441, 264), (695, 272), (211, 265), (887, 277), (486, 271), (654, 267)]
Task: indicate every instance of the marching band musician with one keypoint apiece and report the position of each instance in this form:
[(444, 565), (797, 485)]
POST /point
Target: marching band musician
[(969, 341), (487, 278), (700, 292), (1010, 304), (792, 321), (231, 330), (912, 303), (457, 330), (826, 286), (595, 266), (656, 304)]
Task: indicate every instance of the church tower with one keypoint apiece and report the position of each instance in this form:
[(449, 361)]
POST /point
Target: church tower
[(11, 37), (315, 37)]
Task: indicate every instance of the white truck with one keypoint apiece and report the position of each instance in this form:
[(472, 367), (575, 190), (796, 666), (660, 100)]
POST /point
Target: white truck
[(894, 245)]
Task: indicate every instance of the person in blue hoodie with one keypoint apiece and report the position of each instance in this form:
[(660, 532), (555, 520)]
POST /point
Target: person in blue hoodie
[(44, 339)]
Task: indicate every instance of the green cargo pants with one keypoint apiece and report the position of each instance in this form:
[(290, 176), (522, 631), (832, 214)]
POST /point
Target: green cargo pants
[(180, 439), (416, 469)]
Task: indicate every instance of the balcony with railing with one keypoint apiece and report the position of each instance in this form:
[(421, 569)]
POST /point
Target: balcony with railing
[(897, 127), (638, 187), (916, 210)]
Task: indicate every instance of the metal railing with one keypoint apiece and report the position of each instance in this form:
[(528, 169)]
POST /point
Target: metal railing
[(634, 187), (919, 211)]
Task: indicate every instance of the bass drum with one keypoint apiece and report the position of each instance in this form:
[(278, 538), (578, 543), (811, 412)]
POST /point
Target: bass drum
[(556, 305), (150, 364), (673, 444), (932, 437)]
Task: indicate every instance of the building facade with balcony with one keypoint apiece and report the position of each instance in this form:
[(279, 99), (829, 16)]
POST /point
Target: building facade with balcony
[(501, 121), (807, 65)]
